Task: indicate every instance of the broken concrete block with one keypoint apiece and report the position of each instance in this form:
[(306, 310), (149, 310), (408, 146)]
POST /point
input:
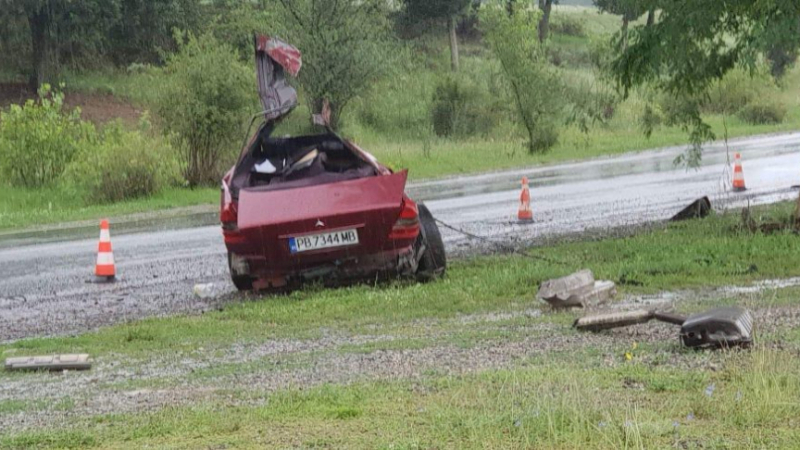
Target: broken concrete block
[(565, 291), (577, 291), (52, 363), (697, 210), (603, 292)]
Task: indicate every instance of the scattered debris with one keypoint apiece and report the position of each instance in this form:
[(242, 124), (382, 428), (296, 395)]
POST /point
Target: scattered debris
[(52, 363), (577, 290), (204, 291), (699, 209), (720, 327)]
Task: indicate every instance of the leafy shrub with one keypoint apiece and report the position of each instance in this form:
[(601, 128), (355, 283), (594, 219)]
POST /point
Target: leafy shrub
[(123, 165), (39, 139), (568, 24), (590, 101), (204, 103), (535, 88), (650, 119), (737, 89), (347, 47), (460, 108), (761, 112)]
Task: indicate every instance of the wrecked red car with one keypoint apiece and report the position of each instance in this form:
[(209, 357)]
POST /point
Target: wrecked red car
[(317, 207)]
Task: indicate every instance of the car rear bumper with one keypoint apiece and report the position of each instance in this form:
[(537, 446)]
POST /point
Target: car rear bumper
[(388, 264)]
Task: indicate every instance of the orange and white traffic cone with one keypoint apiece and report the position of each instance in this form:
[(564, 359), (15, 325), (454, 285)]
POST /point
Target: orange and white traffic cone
[(104, 270), (738, 174), (525, 213)]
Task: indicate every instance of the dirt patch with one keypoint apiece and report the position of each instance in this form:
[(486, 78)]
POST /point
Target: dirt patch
[(95, 107)]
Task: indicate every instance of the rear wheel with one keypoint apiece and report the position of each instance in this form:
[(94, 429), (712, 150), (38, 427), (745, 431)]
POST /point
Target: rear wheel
[(242, 282), (433, 262)]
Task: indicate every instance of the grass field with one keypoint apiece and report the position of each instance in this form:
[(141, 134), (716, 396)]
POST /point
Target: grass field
[(20, 208), (470, 361)]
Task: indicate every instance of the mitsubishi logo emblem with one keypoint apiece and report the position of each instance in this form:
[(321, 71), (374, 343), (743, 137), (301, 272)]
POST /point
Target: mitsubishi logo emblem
[(320, 223)]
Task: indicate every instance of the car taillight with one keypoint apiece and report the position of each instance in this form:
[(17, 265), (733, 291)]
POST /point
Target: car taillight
[(407, 225), (229, 216)]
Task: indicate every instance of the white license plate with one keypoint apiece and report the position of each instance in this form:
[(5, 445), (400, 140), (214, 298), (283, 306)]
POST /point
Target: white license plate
[(323, 240)]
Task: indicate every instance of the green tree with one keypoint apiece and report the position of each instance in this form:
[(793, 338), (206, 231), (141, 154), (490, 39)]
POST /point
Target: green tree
[(694, 44), (440, 11), (203, 104), (534, 85), (344, 45), (70, 32), (144, 28), (53, 24), (543, 30), (628, 9)]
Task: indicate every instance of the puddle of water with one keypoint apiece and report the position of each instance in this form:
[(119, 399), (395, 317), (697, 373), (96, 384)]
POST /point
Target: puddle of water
[(761, 286), (673, 296)]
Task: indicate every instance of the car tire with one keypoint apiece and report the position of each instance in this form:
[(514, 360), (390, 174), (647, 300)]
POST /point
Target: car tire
[(433, 262), (242, 282)]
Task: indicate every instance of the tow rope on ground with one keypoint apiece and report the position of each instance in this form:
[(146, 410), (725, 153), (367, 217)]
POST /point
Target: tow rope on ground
[(499, 245)]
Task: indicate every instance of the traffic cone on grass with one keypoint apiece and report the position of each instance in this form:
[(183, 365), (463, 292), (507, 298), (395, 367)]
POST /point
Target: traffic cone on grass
[(525, 213), (104, 270), (738, 174)]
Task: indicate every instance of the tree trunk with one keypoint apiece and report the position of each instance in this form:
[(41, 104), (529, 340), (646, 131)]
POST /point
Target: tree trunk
[(38, 22), (511, 6), (453, 44), (624, 32), (544, 23), (797, 214), (651, 17)]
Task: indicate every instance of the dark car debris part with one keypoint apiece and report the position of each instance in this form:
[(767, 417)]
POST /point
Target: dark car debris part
[(699, 209), (317, 206), (722, 327), (577, 290), (52, 363)]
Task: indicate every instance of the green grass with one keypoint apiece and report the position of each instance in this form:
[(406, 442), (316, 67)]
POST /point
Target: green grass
[(754, 403), (21, 208)]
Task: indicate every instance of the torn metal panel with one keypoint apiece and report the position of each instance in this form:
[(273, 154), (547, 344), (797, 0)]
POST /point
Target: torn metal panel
[(273, 58)]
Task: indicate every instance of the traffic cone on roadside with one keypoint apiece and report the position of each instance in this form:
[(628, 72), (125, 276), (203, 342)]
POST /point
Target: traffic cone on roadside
[(104, 270), (525, 213), (738, 174)]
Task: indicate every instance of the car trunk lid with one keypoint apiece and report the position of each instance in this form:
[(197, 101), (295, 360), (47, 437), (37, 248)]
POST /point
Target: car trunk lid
[(370, 206)]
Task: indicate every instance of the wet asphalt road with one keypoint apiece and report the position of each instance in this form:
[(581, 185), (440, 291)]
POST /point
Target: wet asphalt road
[(43, 289)]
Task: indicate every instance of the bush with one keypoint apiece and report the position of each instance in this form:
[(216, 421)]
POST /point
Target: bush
[(762, 112), (567, 24), (460, 108), (39, 139), (535, 87), (123, 165), (204, 105), (738, 89)]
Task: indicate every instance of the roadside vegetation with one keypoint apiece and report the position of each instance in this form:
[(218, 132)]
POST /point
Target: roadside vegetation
[(470, 361), (411, 97)]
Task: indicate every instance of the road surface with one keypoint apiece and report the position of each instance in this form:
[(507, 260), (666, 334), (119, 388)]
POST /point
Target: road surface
[(43, 289)]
